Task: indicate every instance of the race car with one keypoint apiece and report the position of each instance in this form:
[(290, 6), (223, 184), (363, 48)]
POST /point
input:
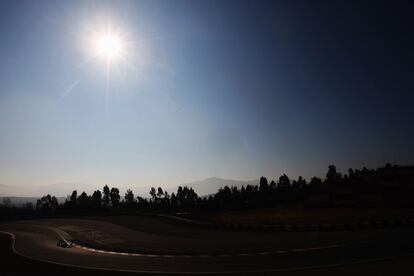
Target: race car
[(64, 244)]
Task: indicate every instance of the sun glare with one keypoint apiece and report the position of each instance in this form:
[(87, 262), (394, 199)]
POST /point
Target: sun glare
[(109, 46)]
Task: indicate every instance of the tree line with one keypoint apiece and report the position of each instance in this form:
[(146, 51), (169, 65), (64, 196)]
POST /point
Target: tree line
[(390, 185)]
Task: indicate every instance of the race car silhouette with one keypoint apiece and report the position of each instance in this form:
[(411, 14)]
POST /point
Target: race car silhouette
[(64, 244)]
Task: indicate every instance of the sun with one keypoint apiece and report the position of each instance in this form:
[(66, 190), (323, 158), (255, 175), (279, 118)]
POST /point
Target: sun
[(108, 45)]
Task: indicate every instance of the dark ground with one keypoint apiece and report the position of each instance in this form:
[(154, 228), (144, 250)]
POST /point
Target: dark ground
[(12, 264)]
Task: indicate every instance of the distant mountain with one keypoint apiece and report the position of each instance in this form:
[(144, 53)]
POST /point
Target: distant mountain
[(57, 189), (22, 201), (202, 188), (6, 190), (66, 188), (211, 185)]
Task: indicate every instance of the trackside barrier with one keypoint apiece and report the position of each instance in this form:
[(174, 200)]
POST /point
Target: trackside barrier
[(374, 224)]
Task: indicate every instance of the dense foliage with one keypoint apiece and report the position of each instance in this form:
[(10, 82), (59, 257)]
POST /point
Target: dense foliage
[(386, 186)]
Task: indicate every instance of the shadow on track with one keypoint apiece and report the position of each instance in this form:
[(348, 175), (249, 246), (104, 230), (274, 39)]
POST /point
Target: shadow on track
[(13, 264)]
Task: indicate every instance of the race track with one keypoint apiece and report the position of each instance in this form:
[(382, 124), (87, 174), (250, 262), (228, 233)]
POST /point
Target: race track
[(198, 252)]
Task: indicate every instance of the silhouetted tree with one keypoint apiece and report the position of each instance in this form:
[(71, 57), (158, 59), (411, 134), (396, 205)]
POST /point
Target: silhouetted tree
[(97, 200), (115, 197), (284, 183), (106, 196), (6, 201), (74, 196), (332, 180), (272, 186), (263, 186), (315, 184), (84, 202), (160, 192), (173, 201), (186, 198), (47, 204), (153, 194), (129, 198), (391, 185), (73, 201)]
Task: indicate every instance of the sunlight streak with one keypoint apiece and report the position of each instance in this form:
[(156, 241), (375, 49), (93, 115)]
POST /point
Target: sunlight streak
[(112, 50), (68, 90)]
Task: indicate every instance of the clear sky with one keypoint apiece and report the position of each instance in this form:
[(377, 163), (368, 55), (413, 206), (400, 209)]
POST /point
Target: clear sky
[(234, 89)]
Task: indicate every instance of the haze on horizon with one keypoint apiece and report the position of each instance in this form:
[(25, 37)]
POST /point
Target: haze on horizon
[(232, 89)]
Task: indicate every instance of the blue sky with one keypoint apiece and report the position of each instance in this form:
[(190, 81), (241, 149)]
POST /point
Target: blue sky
[(234, 89)]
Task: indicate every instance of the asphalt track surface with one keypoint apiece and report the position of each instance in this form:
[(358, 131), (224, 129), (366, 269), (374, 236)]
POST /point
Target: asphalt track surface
[(195, 254)]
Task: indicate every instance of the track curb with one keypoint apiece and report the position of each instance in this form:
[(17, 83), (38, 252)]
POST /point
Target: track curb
[(233, 272)]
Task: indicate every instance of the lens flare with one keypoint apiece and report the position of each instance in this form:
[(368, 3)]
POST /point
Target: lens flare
[(109, 46)]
